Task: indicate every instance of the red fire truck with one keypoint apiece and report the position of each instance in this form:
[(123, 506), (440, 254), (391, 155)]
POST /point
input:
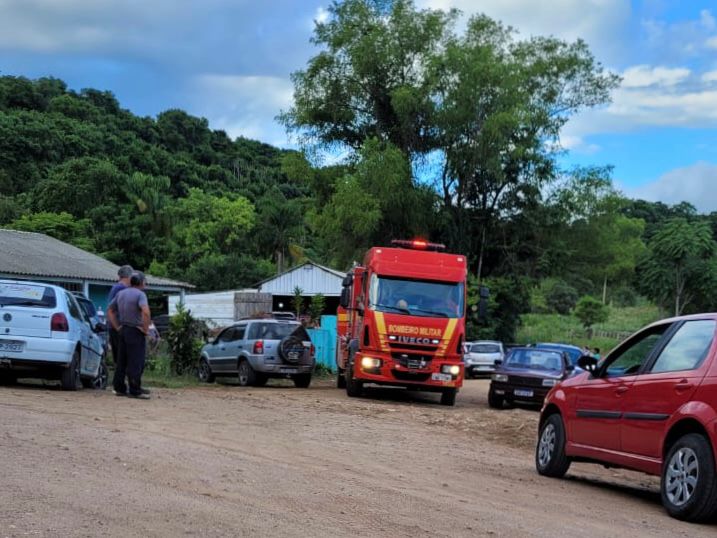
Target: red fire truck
[(402, 320)]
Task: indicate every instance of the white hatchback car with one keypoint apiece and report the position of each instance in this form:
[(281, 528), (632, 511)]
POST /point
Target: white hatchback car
[(45, 334), (479, 357)]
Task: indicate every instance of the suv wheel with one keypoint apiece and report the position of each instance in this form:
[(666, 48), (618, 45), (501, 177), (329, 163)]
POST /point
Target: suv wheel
[(204, 372), (550, 458), (302, 381), (688, 487), (70, 377), (247, 376)]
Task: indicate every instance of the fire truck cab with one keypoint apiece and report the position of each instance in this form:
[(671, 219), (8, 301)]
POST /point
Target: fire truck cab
[(402, 320)]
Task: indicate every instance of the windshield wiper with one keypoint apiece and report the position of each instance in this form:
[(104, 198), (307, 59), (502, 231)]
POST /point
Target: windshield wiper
[(396, 308), (431, 312)]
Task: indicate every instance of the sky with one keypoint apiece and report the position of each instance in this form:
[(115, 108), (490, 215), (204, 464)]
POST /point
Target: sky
[(230, 61)]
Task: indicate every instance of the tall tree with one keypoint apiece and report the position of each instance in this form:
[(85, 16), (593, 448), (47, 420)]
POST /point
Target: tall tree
[(680, 269)]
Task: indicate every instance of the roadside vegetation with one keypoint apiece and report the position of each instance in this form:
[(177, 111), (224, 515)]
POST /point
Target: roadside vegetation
[(445, 133)]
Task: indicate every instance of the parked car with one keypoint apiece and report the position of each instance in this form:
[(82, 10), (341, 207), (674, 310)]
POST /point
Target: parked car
[(90, 311), (259, 349), (650, 405), (479, 357), (573, 352), (44, 333), (527, 375)]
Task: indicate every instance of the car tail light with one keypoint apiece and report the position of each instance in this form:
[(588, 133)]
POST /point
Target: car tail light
[(58, 323), (258, 347), (313, 350)]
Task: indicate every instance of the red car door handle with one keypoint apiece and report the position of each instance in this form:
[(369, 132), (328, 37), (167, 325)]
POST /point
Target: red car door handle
[(621, 389), (683, 385)]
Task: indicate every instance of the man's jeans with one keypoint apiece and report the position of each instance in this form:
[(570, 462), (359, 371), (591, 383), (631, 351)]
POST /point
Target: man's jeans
[(132, 354)]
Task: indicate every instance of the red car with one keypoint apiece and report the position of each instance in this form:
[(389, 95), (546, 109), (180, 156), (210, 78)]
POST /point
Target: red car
[(650, 405)]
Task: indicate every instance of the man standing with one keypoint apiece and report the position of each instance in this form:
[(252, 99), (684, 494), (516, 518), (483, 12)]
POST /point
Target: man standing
[(129, 315), (123, 275)]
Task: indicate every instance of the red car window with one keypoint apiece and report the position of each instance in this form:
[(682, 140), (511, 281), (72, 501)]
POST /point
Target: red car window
[(687, 348)]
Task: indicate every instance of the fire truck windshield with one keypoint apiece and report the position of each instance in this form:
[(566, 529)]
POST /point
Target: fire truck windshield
[(416, 297)]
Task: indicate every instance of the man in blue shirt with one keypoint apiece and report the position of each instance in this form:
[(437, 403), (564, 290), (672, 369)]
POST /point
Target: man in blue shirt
[(123, 275)]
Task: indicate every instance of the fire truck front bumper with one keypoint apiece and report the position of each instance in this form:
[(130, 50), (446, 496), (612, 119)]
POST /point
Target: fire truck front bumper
[(436, 375)]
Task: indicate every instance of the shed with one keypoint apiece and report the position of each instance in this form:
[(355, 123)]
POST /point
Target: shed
[(311, 278), (39, 257)]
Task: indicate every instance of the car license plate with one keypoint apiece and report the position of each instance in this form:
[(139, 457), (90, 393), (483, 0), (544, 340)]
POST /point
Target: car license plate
[(441, 377), (11, 346), (483, 367), (289, 370), (523, 393)]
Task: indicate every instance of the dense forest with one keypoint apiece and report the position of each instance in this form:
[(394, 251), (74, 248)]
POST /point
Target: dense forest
[(452, 136)]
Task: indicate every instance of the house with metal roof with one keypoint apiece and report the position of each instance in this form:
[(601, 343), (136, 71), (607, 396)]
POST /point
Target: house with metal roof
[(39, 257)]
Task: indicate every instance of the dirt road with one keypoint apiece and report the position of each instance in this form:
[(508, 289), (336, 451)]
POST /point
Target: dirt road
[(280, 461)]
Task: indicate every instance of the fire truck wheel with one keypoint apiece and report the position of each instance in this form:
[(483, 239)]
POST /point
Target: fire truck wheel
[(354, 387), (340, 379), (448, 397)]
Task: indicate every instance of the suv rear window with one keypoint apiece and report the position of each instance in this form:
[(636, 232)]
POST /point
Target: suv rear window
[(271, 331), (485, 348), (27, 295)]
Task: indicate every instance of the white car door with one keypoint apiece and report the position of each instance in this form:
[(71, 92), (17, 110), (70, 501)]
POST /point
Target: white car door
[(80, 330)]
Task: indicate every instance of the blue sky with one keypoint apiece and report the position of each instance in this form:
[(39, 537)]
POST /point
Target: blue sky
[(230, 60)]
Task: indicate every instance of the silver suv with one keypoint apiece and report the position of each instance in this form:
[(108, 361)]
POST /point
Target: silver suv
[(258, 349)]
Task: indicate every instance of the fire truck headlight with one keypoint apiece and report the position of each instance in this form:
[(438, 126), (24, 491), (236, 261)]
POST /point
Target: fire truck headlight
[(369, 363), (452, 369)]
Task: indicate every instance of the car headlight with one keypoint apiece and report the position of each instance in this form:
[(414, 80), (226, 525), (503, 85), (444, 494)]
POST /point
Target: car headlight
[(452, 369), (369, 363), (500, 378), (550, 382)]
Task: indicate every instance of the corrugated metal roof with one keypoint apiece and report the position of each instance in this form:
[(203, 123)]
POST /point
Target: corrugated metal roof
[(311, 277), (34, 255)]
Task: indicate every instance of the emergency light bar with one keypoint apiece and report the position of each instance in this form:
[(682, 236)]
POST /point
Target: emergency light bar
[(417, 244)]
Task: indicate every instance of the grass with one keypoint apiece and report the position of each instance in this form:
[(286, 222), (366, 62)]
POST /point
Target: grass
[(567, 329)]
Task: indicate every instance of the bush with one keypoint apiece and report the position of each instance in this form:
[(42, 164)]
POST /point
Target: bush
[(561, 297), (624, 296), (316, 307), (184, 339), (590, 311)]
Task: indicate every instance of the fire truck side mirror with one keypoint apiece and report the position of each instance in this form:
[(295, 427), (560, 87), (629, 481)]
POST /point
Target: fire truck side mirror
[(345, 300), (348, 280)]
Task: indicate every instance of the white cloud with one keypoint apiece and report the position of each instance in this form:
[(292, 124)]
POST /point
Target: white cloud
[(599, 22), (707, 19), (244, 105), (322, 15), (709, 76), (694, 184), (711, 42), (641, 76)]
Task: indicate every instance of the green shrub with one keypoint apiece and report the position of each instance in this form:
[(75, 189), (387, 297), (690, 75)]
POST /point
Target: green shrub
[(591, 311), (561, 297), (184, 339)]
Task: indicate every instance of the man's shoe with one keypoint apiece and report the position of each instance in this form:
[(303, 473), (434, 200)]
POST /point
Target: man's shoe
[(140, 396), (145, 391), (118, 393)]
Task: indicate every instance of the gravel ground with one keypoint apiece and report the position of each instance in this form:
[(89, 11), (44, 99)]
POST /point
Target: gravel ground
[(277, 461)]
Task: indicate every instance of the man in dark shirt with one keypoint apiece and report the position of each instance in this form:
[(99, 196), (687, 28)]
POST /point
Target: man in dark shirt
[(123, 275), (129, 315)]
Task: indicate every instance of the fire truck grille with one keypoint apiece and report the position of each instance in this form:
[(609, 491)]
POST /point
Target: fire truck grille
[(412, 360), (412, 347), (410, 376)]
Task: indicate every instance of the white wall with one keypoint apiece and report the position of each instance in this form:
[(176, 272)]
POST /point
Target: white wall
[(216, 308), (310, 278)]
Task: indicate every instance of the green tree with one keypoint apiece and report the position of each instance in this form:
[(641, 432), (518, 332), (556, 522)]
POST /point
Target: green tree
[(62, 226), (591, 311), (316, 307), (561, 297), (298, 300), (680, 268)]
